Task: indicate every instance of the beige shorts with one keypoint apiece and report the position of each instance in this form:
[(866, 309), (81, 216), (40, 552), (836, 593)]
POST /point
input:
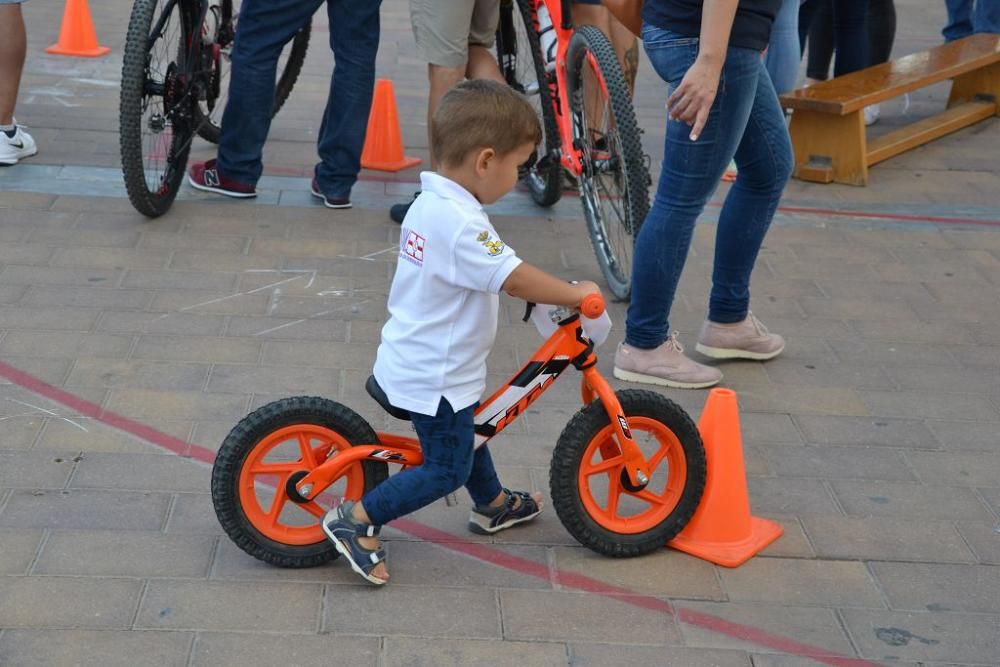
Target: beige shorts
[(445, 29)]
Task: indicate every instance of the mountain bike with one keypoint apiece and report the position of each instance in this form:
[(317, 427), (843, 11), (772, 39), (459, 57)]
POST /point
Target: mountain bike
[(588, 123), (175, 82), (627, 471)]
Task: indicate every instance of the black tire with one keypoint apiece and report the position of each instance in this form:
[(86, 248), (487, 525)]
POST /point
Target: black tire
[(155, 112), (578, 437), (208, 111), (520, 58), (247, 435), (614, 167)]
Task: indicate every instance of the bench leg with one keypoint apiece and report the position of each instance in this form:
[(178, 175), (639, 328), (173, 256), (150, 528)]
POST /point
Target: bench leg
[(829, 148), (984, 82)]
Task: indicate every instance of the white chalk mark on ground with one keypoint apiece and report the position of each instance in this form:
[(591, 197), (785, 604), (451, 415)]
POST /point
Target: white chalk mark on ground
[(370, 257), (231, 296), (312, 317), (48, 412)]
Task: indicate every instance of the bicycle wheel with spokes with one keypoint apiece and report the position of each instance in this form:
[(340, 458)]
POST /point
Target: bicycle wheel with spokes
[(592, 493), (155, 109), (520, 58), (259, 461), (614, 185), (212, 99)]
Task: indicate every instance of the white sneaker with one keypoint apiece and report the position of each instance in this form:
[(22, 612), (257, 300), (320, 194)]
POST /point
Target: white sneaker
[(872, 113), (12, 149)]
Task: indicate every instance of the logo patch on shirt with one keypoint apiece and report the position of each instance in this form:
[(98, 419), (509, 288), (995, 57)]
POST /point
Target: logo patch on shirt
[(414, 248), (493, 246)]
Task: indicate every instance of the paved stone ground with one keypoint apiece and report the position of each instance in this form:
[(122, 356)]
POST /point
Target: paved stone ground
[(873, 439)]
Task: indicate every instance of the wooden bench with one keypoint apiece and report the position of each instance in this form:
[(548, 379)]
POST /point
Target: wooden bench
[(828, 127)]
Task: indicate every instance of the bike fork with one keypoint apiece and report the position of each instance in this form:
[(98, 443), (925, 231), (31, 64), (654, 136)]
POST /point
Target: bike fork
[(594, 385)]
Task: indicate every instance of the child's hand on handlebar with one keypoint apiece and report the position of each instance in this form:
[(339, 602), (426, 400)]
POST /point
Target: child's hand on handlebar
[(583, 289)]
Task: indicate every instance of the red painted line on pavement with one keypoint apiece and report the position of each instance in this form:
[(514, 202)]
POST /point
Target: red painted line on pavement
[(445, 540)]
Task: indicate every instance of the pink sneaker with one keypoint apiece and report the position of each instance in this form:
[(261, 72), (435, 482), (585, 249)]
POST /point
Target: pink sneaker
[(665, 365), (748, 339)]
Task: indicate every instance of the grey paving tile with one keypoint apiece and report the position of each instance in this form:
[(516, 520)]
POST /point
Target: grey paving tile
[(867, 431), (274, 380), (403, 610), (89, 297), (987, 356), (992, 497), (957, 380), (886, 538), (94, 648), (946, 333), (767, 428), (892, 353), (64, 439), (414, 652), (179, 279), (192, 513), (61, 345), (919, 637), (239, 650), (957, 468), (50, 319), (19, 549), (909, 500), (132, 554), (114, 373), (36, 469), (706, 624), (816, 374), (774, 495), (198, 349), (112, 510), (930, 405), (965, 435), (601, 655), (802, 399), (141, 472), (214, 605), (44, 275), (527, 615), (233, 564), (425, 564), (290, 328), (834, 462), (789, 581), (939, 587), (67, 602), (149, 405), (793, 542), (983, 537)]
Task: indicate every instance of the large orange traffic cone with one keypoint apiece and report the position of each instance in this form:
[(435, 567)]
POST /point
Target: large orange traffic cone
[(722, 530), (384, 140), (77, 36)]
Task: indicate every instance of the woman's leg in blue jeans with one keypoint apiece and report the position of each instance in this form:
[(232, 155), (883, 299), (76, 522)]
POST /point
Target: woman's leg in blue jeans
[(764, 159), (690, 174), (783, 53)]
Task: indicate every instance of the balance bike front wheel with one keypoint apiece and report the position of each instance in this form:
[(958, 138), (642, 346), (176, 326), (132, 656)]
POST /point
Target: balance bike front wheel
[(591, 490), (263, 456)]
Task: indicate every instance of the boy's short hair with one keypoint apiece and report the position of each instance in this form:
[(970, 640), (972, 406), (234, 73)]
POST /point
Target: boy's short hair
[(480, 114)]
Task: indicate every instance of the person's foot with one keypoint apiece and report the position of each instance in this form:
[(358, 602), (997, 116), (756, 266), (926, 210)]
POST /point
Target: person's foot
[(16, 145), (872, 113), (665, 365), (330, 202), (207, 177), (357, 542), (398, 211), (515, 507), (748, 339)]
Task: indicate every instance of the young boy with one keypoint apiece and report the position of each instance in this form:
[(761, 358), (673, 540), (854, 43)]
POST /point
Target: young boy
[(443, 307)]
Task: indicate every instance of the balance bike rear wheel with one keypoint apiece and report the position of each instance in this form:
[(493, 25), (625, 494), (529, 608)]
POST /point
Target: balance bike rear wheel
[(591, 491), (252, 471)]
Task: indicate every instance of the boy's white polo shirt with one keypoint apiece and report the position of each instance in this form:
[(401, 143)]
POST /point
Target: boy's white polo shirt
[(443, 303)]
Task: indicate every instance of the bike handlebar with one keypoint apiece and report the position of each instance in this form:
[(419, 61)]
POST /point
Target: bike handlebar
[(592, 306)]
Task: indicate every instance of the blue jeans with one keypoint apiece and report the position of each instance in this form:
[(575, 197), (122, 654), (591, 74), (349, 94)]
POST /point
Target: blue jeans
[(265, 26), (965, 19), (783, 53), (745, 122), (450, 461)]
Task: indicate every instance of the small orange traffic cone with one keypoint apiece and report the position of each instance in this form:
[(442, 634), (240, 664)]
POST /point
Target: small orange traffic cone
[(77, 36), (384, 140), (722, 530)]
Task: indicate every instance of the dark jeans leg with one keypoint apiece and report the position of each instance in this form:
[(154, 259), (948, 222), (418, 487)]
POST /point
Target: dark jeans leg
[(986, 17), (850, 27), (265, 26), (689, 175), (821, 41), (765, 160), (881, 30), (446, 440), (354, 38), (959, 19)]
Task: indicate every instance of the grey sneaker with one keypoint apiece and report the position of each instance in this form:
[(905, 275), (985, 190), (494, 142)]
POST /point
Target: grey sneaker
[(748, 339), (665, 365)]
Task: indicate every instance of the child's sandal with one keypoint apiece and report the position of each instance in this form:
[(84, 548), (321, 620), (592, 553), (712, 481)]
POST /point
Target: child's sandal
[(344, 530)]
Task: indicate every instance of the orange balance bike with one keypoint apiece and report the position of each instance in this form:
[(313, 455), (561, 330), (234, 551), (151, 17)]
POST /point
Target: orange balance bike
[(573, 78), (626, 475)]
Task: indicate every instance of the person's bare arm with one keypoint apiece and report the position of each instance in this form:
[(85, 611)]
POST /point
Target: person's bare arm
[(532, 284), (693, 98)]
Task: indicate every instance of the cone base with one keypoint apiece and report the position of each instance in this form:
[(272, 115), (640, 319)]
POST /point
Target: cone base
[(396, 165), (95, 52), (731, 554)]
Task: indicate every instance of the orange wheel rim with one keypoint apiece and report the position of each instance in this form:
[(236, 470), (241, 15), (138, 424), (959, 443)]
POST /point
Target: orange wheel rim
[(600, 480), (314, 444)]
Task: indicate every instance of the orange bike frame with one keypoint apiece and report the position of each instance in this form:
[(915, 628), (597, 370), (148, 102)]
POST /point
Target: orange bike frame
[(567, 346)]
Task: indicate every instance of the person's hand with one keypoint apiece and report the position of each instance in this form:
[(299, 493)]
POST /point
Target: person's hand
[(584, 288), (692, 100)]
